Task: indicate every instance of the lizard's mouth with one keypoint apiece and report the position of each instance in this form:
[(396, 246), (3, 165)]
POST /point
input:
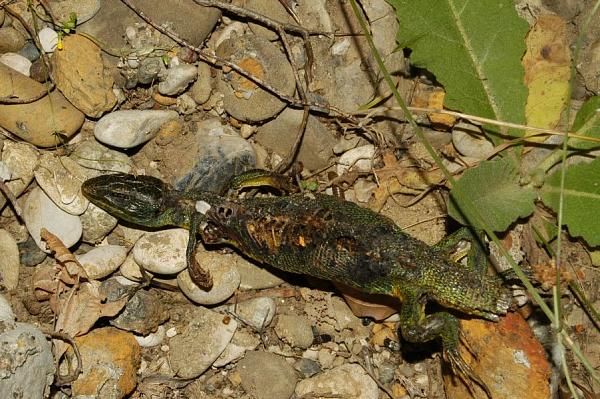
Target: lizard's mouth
[(136, 199)]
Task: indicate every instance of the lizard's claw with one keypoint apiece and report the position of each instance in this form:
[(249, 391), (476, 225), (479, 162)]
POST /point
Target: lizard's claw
[(464, 371), (201, 277)]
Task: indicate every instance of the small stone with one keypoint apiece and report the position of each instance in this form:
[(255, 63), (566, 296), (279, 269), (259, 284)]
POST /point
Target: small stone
[(99, 159), (201, 342), (342, 313), (39, 211), (11, 40), (265, 375), (358, 159), (253, 277), (363, 190), (102, 261), (257, 313), (243, 99), (280, 134), (171, 332), (21, 160), (6, 313), (142, 314), (36, 122), (177, 79), (241, 342), (186, 104), (80, 74), (110, 359), (9, 265), (61, 180), (307, 367), (38, 71), (16, 62), (152, 339), (469, 141), (30, 52), (130, 270), (225, 277), (149, 70), (48, 39), (96, 224), (27, 362), (349, 381), (202, 87), (162, 252), (30, 254), (85, 10), (129, 128), (294, 330)]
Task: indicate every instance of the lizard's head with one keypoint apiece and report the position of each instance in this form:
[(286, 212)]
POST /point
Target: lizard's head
[(136, 199)]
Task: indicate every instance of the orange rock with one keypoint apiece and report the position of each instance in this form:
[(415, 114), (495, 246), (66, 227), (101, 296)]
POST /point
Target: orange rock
[(510, 360)]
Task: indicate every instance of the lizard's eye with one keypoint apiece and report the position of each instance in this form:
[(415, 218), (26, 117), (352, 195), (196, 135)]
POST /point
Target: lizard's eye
[(224, 212)]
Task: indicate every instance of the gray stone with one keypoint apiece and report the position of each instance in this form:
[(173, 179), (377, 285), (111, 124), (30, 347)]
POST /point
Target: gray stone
[(21, 159), (265, 375), (39, 211), (201, 342), (9, 263), (202, 87), (142, 314), (30, 254), (149, 70), (102, 261), (162, 251), (177, 79), (225, 277), (257, 313), (99, 159), (27, 362), (96, 224), (243, 99), (254, 277), (130, 128), (307, 367), (280, 134), (30, 52), (349, 381), (470, 141), (294, 330), (241, 342)]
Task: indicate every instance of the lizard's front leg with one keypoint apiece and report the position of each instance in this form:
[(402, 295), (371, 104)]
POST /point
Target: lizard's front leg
[(417, 327)]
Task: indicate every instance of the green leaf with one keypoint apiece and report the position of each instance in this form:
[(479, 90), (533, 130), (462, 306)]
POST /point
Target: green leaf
[(587, 123), (474, 49), (581, 195), (494, 188)]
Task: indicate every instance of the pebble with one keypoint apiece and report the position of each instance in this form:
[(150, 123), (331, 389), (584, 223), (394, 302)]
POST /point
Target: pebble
[(202, 87), (99, 159), (343, 314), (201, 342), (21, 160), (102, 261), (149, 69), (363, 190), (129, 128), (275, 11), (265, 375), (16, 62), (30, 254), (9, 267), (130, 270), (177, 79), (39, 211), (253, 277), (31, 121), (243, 99), (142, 314), (257, 312), (294, 330), (61, 180), (241, 342), (110, 359), (280, 134), (6, 313), (152, 339), (358, 159), (349, 381), (80, 75), (185, 104), (96, 224), (48, 39), (84, 9), (27, 362), (163, 251), (11, 40), (38, 71), (470, 142), (220, 153), (226, 279), (307, 367)]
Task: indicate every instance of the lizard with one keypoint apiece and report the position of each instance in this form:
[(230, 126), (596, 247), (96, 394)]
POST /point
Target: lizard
[(322, 236)]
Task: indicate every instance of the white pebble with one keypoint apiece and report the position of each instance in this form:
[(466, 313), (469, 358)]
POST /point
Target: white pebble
[(6, 312), (152, 339), (16, 62), (48, 39), (9, 266), (171, 332), (163, 251), (357, 159), (39, 211), (177, 79), (130, 128), (102, 261)]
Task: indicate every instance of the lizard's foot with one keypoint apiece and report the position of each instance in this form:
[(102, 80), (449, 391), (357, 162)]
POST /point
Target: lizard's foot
[(201, 277)]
